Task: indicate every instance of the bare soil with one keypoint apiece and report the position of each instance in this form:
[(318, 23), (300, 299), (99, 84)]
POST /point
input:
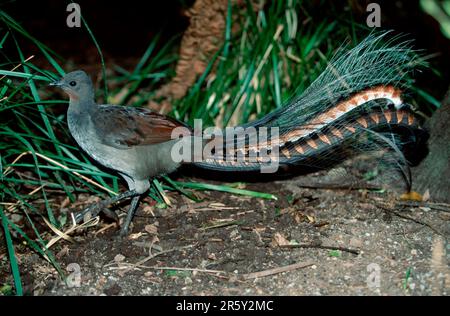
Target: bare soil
[(327, 242)]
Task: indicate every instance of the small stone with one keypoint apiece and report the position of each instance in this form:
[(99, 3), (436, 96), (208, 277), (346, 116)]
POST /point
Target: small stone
[(212, 256), (119, 258)]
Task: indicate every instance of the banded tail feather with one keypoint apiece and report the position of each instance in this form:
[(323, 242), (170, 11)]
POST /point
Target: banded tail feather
[(357, 99), (325, 136)]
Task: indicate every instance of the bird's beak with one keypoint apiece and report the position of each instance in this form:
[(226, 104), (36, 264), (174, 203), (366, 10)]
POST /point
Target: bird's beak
[(57, 83)]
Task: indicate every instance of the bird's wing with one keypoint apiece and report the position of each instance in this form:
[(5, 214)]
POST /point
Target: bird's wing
[(125, 127)]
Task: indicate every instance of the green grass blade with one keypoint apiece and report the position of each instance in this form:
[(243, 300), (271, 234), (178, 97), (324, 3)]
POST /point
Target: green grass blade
[(102, 59), (224, 188), (11, 254), (25, 75)]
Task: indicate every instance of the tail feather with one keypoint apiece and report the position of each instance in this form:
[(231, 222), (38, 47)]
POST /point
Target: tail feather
[(376, 61), (359, 93)]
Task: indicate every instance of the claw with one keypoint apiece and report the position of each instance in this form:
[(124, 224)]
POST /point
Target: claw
[(91, 211), (102, 207), (110, 214)]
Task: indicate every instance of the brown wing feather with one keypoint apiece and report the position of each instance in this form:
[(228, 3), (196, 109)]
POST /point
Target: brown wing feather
[(124, 127)]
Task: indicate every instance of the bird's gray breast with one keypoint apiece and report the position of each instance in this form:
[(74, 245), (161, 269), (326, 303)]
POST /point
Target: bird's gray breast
[(83, 130), (138, 162)]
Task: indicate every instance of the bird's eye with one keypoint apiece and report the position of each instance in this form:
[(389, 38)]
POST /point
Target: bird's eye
[(73, 83)]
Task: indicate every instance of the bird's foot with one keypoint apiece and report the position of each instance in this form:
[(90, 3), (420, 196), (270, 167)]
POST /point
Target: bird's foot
[(102, 207), (126, 223), (110, 214), (94, 210), (123, 232)]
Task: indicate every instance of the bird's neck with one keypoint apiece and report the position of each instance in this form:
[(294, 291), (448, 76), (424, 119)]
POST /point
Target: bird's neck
[(81, 105)]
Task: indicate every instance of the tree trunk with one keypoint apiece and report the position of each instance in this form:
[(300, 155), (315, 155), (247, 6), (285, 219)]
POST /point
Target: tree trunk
[(433, 174)]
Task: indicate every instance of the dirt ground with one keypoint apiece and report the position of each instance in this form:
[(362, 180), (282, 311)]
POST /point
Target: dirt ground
[(308, 242)]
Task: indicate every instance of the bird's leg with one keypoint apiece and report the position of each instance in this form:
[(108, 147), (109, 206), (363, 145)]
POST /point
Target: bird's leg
[(131, 211), (96, 208)]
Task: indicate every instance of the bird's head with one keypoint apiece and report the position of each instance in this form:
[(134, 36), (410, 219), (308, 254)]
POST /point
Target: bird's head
[(77, 84)]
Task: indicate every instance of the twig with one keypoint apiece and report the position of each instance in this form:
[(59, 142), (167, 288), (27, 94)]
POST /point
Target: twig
[(443, 207), (216, 208), (338, 186), (225, 224), (176, 269), (101, 230), (410, 218), (352, 251), (269, 272), (140, 263)]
